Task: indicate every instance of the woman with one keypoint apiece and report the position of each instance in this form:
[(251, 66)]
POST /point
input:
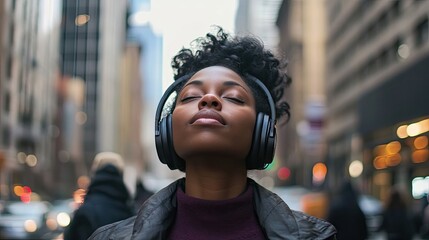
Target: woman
[(221, 124)]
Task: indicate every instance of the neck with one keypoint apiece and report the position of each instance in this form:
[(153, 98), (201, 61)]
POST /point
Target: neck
[(207, 179)]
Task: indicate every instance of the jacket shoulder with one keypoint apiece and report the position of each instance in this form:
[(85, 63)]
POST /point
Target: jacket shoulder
[(118, 230), (313, 225), (277, 218)]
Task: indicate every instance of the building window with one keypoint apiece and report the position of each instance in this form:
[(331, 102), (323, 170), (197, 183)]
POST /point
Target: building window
[(396, 45), (91, 67), (81, 43), (335, 10), (395, 10), (5, 137), (7, 102), (8, 67)]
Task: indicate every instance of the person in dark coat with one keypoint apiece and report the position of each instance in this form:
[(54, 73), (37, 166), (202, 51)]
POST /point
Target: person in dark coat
[(347, 216), (397, 221), (424, 231), (142, 194), (106, 201)]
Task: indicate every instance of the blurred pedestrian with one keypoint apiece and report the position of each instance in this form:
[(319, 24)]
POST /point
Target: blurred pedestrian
[(106, 201), (425, 221), (424, 230), (221, 124), (346, 215), (141, 195), (397, 220), (417, 208)]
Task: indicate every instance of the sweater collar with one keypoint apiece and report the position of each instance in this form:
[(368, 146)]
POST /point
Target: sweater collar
[(223, 219)]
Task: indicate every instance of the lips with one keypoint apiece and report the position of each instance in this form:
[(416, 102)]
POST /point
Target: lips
[(207, 117)]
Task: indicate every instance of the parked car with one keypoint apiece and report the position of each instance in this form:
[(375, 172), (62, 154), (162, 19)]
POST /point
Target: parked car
[(19, 220), (60, 214), (304, 200), (292, 195)]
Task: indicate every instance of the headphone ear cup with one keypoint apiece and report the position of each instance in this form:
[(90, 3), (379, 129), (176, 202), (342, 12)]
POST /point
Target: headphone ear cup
[(262, 151), (164, 145), (159, 141), (268, 142), (252, 159)]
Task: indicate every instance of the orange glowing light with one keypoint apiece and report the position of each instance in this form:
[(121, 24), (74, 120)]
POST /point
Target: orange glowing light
[(82, 19), (420, 156), (380, 162), (18, 190), (421, 142), (393, 159), (402, 131), (79, 196), (380, 150), (393, 147), (319, 171)]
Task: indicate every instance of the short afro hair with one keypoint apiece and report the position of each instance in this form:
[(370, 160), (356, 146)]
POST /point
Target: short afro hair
[(244, 55)]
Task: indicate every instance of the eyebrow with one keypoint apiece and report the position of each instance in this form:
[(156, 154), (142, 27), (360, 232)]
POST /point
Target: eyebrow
[(226, 83)]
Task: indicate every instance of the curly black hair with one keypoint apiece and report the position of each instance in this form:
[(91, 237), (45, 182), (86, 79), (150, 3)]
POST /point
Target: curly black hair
[(244, 55)]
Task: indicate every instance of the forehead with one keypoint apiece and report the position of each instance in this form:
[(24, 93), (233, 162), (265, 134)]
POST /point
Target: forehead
[(218, 74)]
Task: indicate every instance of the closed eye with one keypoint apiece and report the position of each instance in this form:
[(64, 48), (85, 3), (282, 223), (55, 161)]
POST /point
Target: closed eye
[(234, 100), (190, 98)]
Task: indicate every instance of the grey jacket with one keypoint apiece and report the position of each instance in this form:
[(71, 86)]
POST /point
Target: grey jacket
[(156, 215)]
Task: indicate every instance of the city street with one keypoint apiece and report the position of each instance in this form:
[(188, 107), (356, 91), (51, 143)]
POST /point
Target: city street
[(331, 92)]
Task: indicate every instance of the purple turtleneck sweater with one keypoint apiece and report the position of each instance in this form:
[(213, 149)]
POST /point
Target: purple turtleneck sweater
[(207, 219)]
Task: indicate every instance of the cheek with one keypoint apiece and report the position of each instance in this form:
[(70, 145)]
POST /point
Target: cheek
[(243, 133), (179, 123)]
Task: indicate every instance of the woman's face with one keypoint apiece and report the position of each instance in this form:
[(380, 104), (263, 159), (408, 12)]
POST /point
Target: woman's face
[(214, 116)]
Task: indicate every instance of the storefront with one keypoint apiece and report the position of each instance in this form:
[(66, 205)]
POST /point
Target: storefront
[(394, 126)]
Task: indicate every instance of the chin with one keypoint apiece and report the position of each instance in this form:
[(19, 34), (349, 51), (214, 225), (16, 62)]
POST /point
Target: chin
[(207, 145), (210, 150)]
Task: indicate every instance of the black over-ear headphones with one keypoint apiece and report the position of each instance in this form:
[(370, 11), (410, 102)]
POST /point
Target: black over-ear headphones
[(264, 135)]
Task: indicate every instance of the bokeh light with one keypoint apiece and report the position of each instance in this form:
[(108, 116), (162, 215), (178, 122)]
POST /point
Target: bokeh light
[(355, 168)]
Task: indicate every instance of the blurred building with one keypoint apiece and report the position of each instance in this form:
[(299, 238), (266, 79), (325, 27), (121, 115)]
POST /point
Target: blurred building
[(130, 107), (259, 18), (70, 87), (3, 182), (93, 36), (302, 34), (377, 53), (28, 73), (2, 20), (147, 32)]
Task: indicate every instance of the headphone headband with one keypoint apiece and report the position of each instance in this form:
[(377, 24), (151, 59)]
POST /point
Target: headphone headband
[(269, 98)]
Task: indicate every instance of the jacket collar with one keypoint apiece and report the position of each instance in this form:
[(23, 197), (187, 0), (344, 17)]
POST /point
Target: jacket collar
[(280, 222), (276, 218)]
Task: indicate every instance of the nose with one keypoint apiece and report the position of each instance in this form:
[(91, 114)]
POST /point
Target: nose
[(210, 101)]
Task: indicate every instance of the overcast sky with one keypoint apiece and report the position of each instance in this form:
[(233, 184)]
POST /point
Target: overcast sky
[(182, 21)]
